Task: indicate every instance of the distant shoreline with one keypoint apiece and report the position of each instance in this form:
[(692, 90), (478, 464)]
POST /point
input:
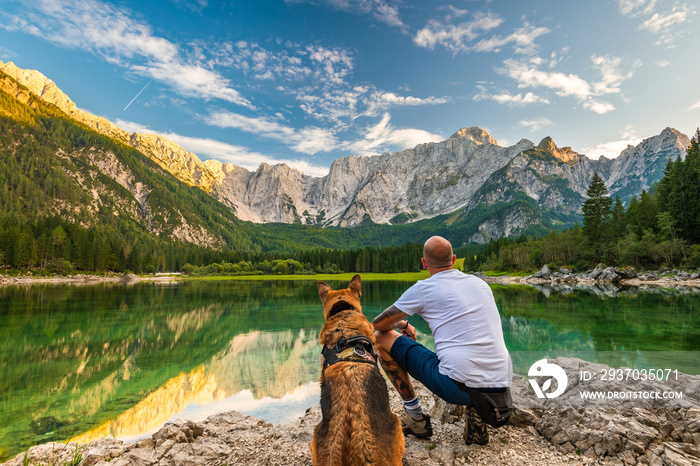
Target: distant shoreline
[(82, 279), (86, 279)]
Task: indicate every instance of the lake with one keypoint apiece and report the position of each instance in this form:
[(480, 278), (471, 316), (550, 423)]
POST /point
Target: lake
[(84, 362)]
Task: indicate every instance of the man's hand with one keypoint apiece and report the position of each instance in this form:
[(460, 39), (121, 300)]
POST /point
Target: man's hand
[(405, 328), (409, 331)]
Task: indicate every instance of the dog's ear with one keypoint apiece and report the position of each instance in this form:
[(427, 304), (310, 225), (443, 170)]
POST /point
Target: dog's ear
[(323, 290), (356, 286)]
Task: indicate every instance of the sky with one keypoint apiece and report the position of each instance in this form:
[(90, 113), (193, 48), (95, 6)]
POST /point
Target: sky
[(305, 82)]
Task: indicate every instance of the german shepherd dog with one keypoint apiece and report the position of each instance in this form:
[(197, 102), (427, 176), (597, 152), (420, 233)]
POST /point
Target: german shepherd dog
[(357, 427)]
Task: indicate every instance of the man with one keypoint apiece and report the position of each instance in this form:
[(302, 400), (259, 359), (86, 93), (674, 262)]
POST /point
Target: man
[(464, 320)]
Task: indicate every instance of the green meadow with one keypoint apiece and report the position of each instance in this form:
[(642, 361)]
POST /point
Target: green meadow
[(402, 277)]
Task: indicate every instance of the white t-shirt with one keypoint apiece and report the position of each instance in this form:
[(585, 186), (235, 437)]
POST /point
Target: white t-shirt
[(465, 323)]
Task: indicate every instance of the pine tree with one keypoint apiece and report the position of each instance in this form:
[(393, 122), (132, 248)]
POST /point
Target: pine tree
[(618, 221), (646, 213), (596, 210), (680, 190)]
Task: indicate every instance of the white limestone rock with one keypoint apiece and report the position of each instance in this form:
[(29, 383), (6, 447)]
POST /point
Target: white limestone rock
[(463, 172)]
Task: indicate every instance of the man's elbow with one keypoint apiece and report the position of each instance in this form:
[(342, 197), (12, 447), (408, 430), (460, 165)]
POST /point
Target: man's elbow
[(377, 324)]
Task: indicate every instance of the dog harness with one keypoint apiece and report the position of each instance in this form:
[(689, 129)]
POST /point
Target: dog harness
[(354, 349)]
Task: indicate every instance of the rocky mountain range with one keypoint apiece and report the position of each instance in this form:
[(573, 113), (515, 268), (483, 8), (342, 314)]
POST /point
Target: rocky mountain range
[(467, 175)]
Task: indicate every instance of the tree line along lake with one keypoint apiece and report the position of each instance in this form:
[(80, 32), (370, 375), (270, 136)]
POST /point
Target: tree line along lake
[(84, 362)]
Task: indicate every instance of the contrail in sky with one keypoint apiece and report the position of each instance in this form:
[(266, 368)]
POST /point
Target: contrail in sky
[(137, 95)]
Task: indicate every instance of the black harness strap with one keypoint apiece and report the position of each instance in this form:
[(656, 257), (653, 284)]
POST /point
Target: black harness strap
[(355, 349)]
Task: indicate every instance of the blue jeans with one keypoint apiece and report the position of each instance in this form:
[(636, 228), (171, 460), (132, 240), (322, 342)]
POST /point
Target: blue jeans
[(422, 365)]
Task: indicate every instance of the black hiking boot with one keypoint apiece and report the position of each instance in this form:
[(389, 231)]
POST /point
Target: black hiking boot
[(475, 430)]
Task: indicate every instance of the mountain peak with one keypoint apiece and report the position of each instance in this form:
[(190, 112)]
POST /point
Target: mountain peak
[(673, 133), (39, 85), (565, 154), (547, 144), (476, 134)]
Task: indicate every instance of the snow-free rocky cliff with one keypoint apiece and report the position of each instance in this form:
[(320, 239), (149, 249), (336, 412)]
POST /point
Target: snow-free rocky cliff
[(460, 174)]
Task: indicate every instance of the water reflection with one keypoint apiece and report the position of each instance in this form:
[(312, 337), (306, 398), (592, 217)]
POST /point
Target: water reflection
[(253, 366), (86, 362), (609, 290)]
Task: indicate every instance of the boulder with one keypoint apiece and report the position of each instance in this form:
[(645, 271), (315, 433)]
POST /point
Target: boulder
[(130, 278), (609, 275), (543, 273), (629, 430), (626, 272)]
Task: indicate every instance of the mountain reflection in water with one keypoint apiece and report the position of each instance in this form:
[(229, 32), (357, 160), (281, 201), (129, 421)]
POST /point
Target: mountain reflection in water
[(256, 369)]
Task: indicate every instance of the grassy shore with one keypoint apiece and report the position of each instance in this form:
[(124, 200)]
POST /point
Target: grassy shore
[(19, 278), (403, 277), (407, 277)]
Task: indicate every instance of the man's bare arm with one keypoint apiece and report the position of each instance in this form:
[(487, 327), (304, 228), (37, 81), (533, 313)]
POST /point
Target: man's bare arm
[(384, 321)]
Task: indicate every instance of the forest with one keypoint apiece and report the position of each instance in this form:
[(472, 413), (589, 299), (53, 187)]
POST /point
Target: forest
[(659, 228)]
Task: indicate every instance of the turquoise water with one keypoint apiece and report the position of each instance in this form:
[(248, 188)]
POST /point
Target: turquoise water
[(90, 361)]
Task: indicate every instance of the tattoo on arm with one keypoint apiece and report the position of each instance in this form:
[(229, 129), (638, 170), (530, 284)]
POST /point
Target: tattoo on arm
[(390, 314)]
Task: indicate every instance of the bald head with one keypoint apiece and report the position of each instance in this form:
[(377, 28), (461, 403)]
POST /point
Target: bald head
[(437, 252)]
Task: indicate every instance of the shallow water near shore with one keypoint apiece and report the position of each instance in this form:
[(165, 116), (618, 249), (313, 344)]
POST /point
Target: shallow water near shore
[(84, 362)]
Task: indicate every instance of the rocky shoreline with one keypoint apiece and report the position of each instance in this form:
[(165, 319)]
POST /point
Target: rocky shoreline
[(606, 276), (599, 276), (553, 432), (83, 279)]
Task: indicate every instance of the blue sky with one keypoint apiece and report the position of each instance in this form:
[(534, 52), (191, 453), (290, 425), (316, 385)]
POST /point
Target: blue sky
[(307, 81)]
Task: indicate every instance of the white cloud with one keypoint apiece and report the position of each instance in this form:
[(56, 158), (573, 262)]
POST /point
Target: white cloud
[(695, 106), (599, 107), (319, 77), (636, 7), (336, 63), (664, 24), (537, 124), (523, 40), (528, 74), (341, 105), (378, 101), (564, 84), (336, 106), (112, 34), (612, 77), (611, 149), (192, 81), (506, 98), (662, 63), (378, 9), (460, 38), (455, 38), (226, 153), (309, 140), (383, 136), (290, 63), (453, 12)]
